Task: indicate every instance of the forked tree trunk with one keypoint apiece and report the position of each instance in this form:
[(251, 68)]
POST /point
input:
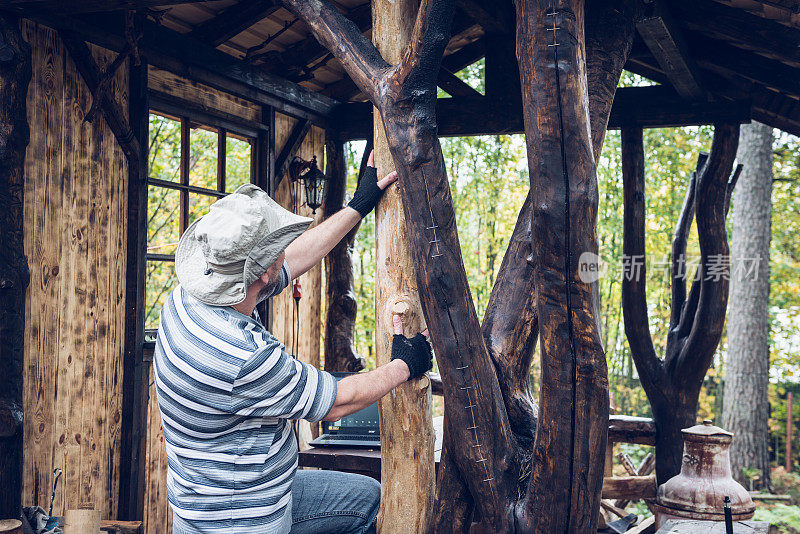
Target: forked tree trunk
[(15, 73), (484, 452), (745, 409), (408, 478), (340, 299), (673, 384), (573, 418)]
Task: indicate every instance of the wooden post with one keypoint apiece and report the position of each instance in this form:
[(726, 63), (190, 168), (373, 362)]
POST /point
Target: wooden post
[(672, 384), (573, 418), (789, 425), (15, 73), (407, 467), (341, 306), (136, 371)]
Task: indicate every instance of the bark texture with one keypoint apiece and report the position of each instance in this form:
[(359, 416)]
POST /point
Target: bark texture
[(15, 73), (340, 298), (573, 421), (408, 478), (672, 384), (745, 409)]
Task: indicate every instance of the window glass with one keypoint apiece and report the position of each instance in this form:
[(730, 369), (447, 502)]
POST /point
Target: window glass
[(198, 205), (237, 162), (161, 280), (163, 219), (203, 157), (165, 148)]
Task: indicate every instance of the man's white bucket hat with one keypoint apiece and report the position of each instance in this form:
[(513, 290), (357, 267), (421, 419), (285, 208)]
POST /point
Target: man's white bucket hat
[(222, 253)]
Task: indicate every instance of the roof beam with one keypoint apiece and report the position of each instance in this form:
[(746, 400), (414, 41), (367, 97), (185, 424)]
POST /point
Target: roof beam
[(665, 41), (727, 60), (291, 61), (465, 56), (89, 6), (740, 28), (492, 18), (769, 107), (233, 21), (177, 53), (455, 86), (648, 107)]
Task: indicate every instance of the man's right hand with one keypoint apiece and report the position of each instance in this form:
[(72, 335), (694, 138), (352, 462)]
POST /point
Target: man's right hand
[(415, 352)]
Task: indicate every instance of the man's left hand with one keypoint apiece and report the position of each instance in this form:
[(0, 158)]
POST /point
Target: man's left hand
[(369, 189)]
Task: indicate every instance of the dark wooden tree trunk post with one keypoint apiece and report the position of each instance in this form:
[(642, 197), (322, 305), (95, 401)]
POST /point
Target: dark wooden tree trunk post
[(673, 384), (573, 419), (15, 73), (340, 299)]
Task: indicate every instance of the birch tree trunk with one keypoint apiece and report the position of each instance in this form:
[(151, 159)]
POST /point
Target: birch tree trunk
[(745, 409)]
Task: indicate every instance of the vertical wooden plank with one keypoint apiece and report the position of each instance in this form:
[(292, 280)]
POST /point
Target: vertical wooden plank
[(33, 173), (157, 517), (72, 352), (43, 170)]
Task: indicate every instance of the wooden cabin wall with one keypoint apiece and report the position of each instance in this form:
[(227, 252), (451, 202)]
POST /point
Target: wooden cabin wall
[(75, 228), (310, 308), (308, 344)]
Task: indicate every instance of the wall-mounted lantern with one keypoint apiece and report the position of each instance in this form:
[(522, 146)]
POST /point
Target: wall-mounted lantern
[(314, 180)]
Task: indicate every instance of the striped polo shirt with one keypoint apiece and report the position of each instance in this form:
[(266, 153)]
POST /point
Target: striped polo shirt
[(226, 391)]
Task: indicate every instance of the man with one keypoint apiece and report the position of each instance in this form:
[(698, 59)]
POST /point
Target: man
[(227, 389)]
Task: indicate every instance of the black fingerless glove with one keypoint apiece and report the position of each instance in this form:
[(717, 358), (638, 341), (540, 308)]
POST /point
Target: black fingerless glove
[(416, 352), (367, 193)]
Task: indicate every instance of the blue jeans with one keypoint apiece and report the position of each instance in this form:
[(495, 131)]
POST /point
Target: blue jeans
[(330, 502)]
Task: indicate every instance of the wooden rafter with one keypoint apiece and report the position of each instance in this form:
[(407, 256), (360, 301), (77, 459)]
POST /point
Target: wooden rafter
[(740, 28), (233, 21), (666, 42), (110, 108), (290, 148), (488, 15), (89, 6), (291, 61), (169, 50), (716, 56), (767, 106), (454, 85), (648, 107)]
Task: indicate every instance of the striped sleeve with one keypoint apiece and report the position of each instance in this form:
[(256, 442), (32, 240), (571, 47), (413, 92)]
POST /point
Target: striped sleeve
[(273, 384)]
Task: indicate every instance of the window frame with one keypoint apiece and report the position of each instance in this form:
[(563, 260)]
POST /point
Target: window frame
[(226, 126)]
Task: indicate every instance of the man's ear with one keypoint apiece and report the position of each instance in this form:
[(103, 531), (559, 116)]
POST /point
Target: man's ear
[(265, 277)]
